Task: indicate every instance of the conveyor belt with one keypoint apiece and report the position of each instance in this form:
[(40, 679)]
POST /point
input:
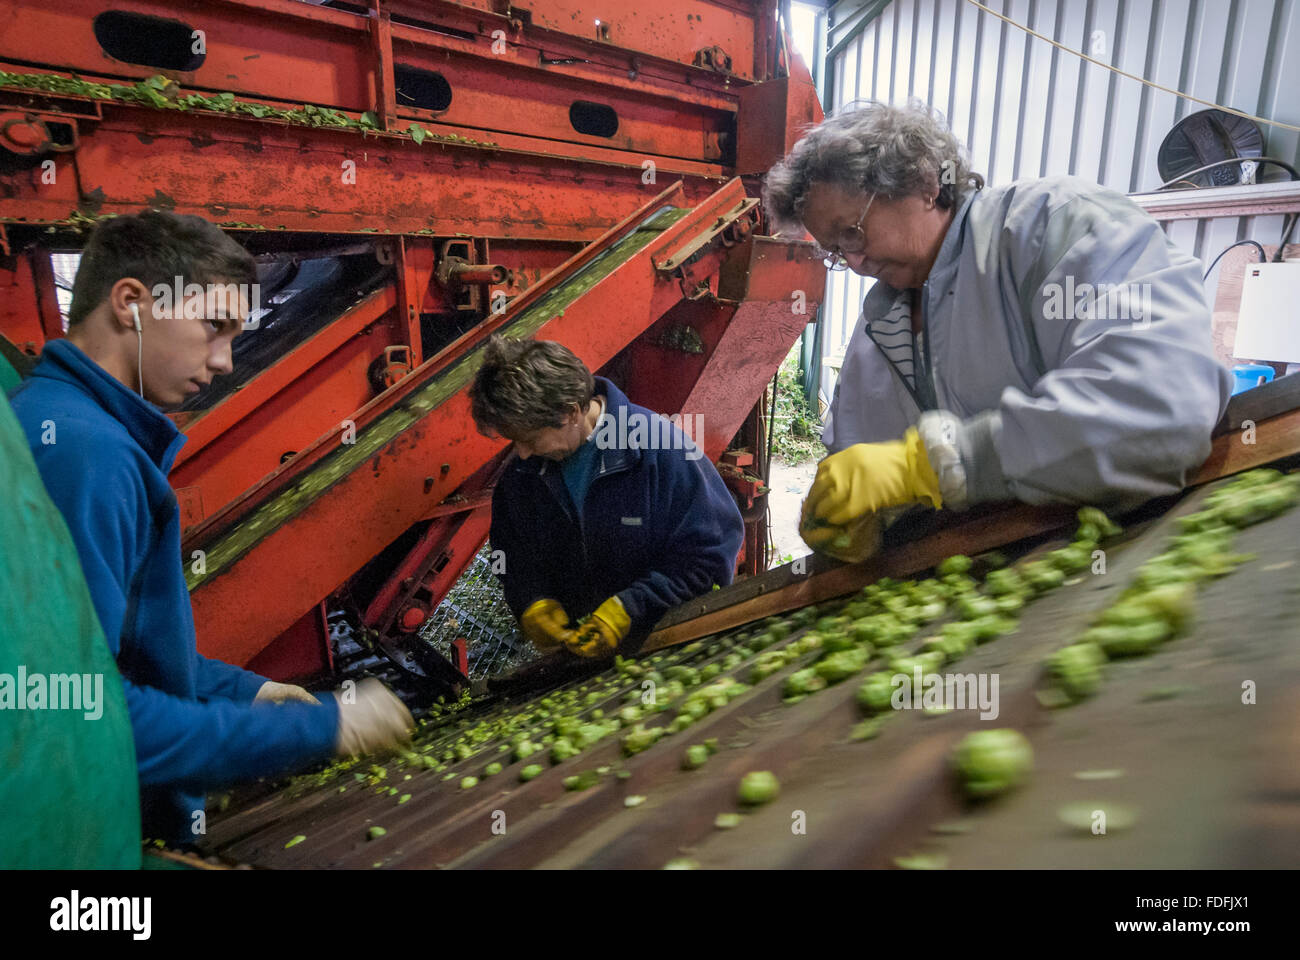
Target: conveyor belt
[(1206, 776)]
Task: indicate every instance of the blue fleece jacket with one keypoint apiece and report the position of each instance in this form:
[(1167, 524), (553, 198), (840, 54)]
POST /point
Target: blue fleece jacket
[(657, 525), (104, 454)]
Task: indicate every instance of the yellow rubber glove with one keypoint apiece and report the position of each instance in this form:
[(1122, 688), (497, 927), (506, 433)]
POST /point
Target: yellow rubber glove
[(272, 692), (869, 477), (546, 624), (853, 543), (601, 635)]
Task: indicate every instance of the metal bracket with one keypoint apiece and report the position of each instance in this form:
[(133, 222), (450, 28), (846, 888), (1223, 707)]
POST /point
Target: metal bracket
[(727, 227)]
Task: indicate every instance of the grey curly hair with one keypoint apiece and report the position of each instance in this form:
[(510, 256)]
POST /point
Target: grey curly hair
[(875, 147)]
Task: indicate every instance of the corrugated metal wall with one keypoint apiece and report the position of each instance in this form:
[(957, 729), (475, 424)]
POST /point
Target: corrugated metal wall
[(1024, 108)]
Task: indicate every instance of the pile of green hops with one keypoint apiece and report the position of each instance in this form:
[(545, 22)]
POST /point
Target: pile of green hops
[(875, 693), (837, 667), (952, 647), (562, 749), (1072, 559), (1095, 526), (641, 738), (1143, 619), (1041, 576), (1076, 669), (768, 663), (974, 606), (1006, 582), (928, 662), (803, 682), (1256, 496)]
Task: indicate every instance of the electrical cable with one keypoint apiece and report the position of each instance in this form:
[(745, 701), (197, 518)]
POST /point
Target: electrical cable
[(767, 471), (1288, 227), (1263, 257), (1295, 174)]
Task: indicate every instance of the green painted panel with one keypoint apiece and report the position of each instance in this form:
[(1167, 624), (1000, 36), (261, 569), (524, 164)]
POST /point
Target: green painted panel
[(68, 793)]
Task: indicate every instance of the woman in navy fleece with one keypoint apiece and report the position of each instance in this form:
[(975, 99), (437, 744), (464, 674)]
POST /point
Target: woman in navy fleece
[(104, 451)]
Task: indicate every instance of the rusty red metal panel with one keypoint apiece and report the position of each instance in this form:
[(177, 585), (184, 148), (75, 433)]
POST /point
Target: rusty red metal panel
[(301, 651), (673, 31), (455, 550), (741, 341), (307, 393), (346, 61), (201, 164), (29, 310), (441, 554), (773, 116), (385, 92)]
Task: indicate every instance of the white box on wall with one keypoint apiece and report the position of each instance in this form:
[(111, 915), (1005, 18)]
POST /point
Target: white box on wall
[(1268, 325)]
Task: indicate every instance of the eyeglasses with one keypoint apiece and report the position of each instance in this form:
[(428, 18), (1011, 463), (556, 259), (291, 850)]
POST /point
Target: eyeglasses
[(834, 258)]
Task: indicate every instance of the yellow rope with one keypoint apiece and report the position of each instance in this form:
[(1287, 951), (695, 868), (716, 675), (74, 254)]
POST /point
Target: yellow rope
[(1149, 83)]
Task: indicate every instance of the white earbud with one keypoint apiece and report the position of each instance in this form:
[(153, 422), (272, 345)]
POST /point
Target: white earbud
[(139, 335)]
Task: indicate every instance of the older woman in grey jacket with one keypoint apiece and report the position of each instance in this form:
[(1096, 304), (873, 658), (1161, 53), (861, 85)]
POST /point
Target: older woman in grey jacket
[(1040, 341)]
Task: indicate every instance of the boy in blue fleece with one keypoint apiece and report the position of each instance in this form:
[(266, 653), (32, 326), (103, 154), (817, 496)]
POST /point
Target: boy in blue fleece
[(104, 451), (607, 509)]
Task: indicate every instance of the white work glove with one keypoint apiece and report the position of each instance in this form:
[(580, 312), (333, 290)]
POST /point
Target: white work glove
[(374, 720), (272, 692)]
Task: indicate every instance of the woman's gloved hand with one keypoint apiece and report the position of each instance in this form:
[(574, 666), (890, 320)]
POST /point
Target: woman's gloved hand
[(870, 477), (601, 635), (853, 543)]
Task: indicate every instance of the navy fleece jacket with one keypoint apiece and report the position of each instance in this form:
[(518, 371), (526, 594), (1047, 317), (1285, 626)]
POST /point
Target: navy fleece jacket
[(104, 454), (657, 525)]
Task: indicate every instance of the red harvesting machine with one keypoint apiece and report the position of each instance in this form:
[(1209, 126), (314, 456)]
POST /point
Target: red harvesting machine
[(412, 176)]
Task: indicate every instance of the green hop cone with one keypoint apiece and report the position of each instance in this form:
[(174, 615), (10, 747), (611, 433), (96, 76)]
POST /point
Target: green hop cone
[(991, 762), (758, 787), (695, 757)]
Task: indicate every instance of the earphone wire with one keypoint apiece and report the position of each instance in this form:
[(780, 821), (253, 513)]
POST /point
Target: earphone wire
[(139, 356)]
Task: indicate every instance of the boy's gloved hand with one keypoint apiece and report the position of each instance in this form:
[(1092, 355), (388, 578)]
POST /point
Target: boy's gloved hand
[(372, 720), (272, 692)]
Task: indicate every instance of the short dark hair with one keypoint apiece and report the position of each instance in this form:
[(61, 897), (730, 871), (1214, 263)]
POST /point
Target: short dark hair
[(155, 247), (527, 385)]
